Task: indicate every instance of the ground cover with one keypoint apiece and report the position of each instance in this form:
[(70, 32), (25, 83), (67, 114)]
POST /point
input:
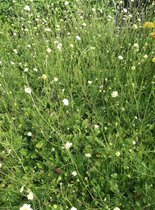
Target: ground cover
[(77, 107)]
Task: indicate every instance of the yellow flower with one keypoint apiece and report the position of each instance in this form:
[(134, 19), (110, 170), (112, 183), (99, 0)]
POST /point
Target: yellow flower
[(153, 59), (152, 34), (149, 25)]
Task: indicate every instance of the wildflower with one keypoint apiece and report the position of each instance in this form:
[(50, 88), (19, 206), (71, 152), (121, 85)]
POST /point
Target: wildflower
[(15, 51), (116, 208), (118, 153), (153, 59), (66, 3), (35, 69), (44, 77), (30, 196), (71, 45), (145, 56), (133, 67), (28, 90), (26, 207), (12, 63), (134, 26), (55, 206), (73, 208), (29, 134), (90, 82), (120, 57), (27, 8), (47, 29), (55, 79), (21, 189), (84, 24), (149, 25), (153, 34), (59, 46), (48, 50), (0, 165), (114, 94), (65, 102), (125, 10), (88, 155), (74, 173), (136, 45), (68, 145), (26, 70), (134, 142), (78, 38), (96, 126)]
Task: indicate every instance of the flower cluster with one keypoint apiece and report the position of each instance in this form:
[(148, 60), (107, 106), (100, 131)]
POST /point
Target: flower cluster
[(150, 25)]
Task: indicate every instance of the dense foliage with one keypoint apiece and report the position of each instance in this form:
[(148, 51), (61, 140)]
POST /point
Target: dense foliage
[(77, 106)]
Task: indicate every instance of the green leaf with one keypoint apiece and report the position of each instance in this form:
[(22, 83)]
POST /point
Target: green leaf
[(39, 144)]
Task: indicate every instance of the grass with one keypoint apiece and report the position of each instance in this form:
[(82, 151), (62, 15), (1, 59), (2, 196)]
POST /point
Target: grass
[(95, 149)]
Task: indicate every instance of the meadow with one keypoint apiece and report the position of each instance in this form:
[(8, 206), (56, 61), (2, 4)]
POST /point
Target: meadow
[(77, 105)]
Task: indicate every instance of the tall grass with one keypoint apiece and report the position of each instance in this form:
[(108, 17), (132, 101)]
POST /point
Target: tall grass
[(95, 149)]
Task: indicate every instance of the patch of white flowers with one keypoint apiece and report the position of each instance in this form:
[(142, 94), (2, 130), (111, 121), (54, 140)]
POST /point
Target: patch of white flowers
[(114, 94), (65, 102), (26, 207)]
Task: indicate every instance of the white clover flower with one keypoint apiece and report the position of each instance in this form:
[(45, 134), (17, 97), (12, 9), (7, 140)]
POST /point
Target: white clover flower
[(49, 50), (29, 134), (27, 8), (28, 90), (30, 196), (0, 165), (88, 155), (68, 145), (78, 38), (65, 102), (120, 57), (26, 207), (73, 208), (74, 173), (116, 208), (118, 153), (114, 94)]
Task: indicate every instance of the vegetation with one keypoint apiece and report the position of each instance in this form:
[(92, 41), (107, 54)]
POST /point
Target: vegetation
[(77, 111)]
